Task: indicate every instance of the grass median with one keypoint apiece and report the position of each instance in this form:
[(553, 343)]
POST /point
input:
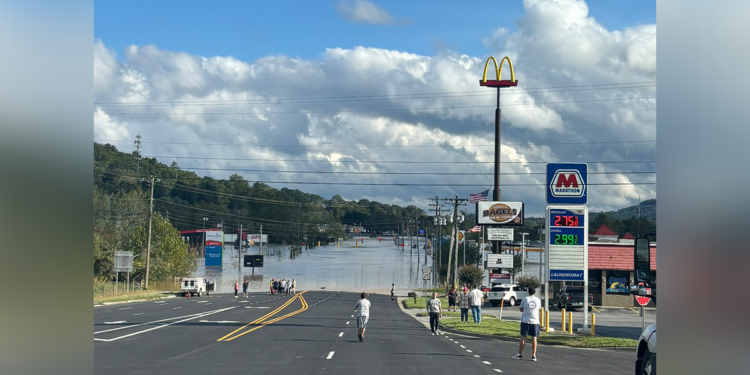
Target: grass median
[(457, 314), (138, 296), (422, 303), (503, 328)]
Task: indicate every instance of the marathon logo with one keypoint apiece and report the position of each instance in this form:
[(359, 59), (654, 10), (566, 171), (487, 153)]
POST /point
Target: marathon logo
[(567, 183)]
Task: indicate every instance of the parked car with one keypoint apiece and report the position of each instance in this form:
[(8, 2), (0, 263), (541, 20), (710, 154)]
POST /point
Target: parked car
[(194, 286), (510, 293), (645, 359), (571, 296)]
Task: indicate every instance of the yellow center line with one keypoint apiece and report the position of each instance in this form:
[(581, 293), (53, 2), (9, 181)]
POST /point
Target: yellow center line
[(594, 308), (633, 310), (264, 317), (263, 324)]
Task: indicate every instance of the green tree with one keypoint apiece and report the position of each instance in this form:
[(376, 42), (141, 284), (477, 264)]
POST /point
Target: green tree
[(470, 275), (528, 281), (169, 253), (517, 265)]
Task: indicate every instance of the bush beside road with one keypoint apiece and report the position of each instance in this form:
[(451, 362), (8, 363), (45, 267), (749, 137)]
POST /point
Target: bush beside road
[(507, 329)]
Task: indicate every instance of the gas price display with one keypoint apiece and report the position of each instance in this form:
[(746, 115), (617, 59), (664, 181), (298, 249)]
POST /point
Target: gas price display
[(566, 239), (566, 236), (565, 220)]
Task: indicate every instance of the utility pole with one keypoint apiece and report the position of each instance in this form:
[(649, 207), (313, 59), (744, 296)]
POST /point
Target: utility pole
[(456, 202), (239, 251), (150, 217), (523, 253), (260, 249)]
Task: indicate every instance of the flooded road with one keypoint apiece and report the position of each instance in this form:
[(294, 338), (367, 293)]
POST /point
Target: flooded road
[(372, 266)]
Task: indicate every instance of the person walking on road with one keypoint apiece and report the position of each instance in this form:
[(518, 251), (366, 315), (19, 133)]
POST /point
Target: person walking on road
[(529, 322), (435, 309), (236, 288), (463, 304), (477, 299), (393, 291), (273, 281), (294, 287), (452, 294), (363, 315), (244, 288)]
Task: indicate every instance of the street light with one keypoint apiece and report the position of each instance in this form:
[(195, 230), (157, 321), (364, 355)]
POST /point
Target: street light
[(523, 253), (204, 235)]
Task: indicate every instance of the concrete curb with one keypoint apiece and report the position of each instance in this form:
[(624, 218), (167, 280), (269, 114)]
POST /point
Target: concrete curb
[(131, 301)]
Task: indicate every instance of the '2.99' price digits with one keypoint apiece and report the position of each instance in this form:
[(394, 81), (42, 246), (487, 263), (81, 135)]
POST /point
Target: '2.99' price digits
[(566, 239)]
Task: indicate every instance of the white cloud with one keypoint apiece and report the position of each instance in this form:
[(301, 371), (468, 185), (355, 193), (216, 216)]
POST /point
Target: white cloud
[(358, 100), (363, 11)]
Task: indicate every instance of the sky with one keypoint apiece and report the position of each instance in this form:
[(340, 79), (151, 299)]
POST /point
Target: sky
[(374, 88)]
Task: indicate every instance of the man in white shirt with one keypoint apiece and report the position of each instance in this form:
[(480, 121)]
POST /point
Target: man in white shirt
[(363, 314), (476, 299), (529, 322)]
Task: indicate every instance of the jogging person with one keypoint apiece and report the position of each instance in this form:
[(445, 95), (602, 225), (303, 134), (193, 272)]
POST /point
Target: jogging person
[(435, 309), (529, 322), (363, 314), (393, 291)]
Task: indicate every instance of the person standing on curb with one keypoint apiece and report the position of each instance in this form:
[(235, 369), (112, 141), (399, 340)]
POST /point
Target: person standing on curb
[(244, 288), (463, 304), (435, 310), (294, 287), (363, 315), (273, 281), (452, 294), (477, 299), (236, 288), (393, 291), (529, 322)]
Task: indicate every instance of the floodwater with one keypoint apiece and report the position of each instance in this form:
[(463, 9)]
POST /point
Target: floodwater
[(371, 267)]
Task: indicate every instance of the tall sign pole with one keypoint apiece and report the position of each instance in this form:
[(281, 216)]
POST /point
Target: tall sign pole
[(497, 83)]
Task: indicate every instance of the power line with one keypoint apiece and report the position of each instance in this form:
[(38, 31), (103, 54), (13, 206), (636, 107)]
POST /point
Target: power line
[(380, 96), (364, 110), (393, 161), (395, 173), (274, 101), (383, 146)]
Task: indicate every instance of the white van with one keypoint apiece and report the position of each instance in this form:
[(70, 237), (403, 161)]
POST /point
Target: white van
[(194, 286), (510, 293)]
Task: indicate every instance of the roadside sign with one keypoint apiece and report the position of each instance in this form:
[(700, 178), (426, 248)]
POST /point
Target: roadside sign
[(499, 276), (426, 272), (253, 261), (566, 183), (500, 234), (498, 261), (123, 261), (509, 214), (642, 300)]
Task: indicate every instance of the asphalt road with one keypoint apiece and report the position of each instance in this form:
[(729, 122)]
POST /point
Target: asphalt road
[(311, 334)]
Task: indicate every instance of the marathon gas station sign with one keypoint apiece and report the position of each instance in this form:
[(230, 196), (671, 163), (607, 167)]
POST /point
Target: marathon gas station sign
[(214, 248)]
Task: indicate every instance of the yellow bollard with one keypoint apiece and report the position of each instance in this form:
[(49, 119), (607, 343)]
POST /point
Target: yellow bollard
[(593, 324), (570, 323), (563, 320), (356, 244), (337, 245), (541, 316), (318, 243), (546, 322)]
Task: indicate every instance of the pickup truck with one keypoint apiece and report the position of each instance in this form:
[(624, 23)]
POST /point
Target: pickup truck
[(572, 296)]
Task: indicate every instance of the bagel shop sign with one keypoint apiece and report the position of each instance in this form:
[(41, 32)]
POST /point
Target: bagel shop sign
[(500, 213)]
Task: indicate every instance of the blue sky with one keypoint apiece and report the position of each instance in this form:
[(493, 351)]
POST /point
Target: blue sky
[(249, 30)]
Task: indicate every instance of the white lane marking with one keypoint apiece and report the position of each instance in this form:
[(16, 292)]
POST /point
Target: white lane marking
[(496, 370), (218, 321), (125, 308), (330, 355), (341, 334), (209, 304), (160, 302), (486, 363), (117, 322), (196, 315), (201, 301), (347, 322), (469, 351), (476, 356), (175, 308), (138, 314), (352, 316), (167, 325), (463, 347), (257, 307)]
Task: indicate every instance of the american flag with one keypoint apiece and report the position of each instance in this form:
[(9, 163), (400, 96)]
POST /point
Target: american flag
[(479, 197), (218, 225), (476, 229)]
